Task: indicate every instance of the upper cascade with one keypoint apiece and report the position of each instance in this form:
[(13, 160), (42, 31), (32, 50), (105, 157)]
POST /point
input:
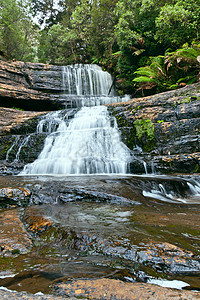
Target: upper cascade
[(86, 80), (88, 85)]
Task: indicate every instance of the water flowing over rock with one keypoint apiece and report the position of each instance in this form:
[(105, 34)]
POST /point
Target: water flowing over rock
[(173, 116), (88, 85), (40, 87), (86, 80), (90, 144)]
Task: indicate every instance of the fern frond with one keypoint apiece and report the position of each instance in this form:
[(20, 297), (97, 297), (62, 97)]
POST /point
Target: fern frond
[(143, 79), (146, 71)]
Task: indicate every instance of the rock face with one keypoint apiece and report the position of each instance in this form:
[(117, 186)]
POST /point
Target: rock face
[(163, 129), (31, 86), (17, 129)]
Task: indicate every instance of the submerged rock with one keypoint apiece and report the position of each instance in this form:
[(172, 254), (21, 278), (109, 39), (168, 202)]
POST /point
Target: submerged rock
[(36, 223)]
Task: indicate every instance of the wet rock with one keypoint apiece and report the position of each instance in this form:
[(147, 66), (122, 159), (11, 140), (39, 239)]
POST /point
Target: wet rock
[(5, 294), (81, 194), (115, 289), (182, 163), (169, 258), (14, 239), (14, 196), (58, 194), (174, 117), (36, 223), (31, 86), (162, 257)]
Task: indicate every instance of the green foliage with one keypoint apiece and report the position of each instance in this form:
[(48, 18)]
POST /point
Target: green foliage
[(129, 38), (144, 127), (173, 69), (17, 108), (155, 73), (178, 22), (16, 37)]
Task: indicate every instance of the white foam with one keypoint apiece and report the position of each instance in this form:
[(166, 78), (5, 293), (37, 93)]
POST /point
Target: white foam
[(175, 284)]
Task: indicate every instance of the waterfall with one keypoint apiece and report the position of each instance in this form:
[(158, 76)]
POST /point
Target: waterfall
[(88, 85), (90, 142), (87, 80)]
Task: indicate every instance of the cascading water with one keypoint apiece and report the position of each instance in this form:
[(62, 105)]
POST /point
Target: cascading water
[(88, 80), (90, 143), (88, 85)]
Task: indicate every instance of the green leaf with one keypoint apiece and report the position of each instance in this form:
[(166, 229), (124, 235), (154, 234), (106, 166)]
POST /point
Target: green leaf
[(143, 79)]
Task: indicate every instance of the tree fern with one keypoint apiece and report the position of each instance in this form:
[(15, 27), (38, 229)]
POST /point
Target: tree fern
[(172, 70)]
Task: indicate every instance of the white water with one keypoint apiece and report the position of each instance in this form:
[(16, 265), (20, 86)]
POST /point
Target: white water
[(87, 80), (90, 144), (88, 85)]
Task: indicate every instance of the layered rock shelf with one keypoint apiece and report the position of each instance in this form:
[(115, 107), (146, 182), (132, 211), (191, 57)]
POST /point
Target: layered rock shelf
[(163, 129), (30, 86)]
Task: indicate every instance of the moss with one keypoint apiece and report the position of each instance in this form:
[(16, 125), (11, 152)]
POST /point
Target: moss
[(5, 144), (196, 169), (15, 251), (149, 146), (141, 132), (144, 127)]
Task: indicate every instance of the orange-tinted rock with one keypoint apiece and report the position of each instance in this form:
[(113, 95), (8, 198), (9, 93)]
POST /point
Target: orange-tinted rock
[(14, 238), (14, 196), (110, 289), (36, 222)]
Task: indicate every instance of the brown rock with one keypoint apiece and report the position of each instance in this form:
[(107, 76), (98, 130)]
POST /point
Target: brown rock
[(108, 289), (11, 118), (25, 296), (36, 222), (14, 238)]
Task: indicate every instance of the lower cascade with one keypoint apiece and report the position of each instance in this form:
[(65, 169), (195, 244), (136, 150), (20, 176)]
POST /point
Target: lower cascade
[(89, 144)]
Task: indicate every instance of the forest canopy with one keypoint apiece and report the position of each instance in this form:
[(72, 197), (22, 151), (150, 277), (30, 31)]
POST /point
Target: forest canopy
[(138, 41)]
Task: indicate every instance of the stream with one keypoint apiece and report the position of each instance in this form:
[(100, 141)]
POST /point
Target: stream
[(106, 226)]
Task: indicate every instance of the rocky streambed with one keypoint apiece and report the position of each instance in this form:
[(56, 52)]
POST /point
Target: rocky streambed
[(97, 238)]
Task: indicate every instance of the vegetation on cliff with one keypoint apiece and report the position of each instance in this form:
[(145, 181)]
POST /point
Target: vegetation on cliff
[(120, 35)]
